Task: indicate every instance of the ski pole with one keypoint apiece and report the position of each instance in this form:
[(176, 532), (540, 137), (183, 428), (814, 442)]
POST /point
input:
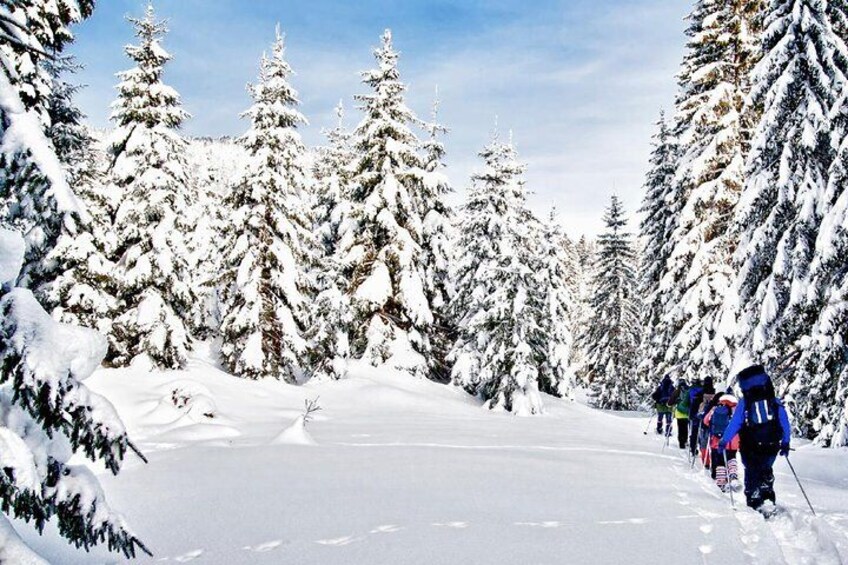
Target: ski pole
[(729, 482), (688, 437), (797, 480), (697, 442), (650, 419)]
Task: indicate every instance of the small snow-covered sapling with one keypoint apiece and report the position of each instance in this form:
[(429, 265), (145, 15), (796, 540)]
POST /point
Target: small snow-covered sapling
[(310, 407)]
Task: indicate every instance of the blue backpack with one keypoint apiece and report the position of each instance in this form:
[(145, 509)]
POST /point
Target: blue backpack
[(762, 431), (720, 420)]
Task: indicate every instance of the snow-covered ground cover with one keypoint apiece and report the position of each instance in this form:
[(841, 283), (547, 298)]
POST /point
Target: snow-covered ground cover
[(399, 470)]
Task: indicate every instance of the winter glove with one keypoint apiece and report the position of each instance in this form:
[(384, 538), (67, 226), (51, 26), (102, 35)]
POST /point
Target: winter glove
[(784, 450)]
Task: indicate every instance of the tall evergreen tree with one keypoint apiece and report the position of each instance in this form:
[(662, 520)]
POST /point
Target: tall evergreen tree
[(436, 236), (819, 390), (33, 32), (382, 239), (77, 288), (332, 172), (329, 343), (46, 413), (713, 129), (656, 239), (148, 169), (496, 306), (612, 337), (269, 246), (554, 289), (796, 83), (584, 251)]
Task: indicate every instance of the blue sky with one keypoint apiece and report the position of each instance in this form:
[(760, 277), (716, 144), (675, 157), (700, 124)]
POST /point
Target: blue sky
[(579, 82)]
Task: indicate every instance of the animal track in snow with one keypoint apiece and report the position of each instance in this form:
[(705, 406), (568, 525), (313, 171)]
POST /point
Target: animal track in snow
[(338, 542), (456, 525), (190, 556), (628, 521), (263, 547), (388, 529)]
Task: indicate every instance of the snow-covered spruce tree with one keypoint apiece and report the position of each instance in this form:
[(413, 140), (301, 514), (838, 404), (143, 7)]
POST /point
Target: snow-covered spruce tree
[(584, 252), (215, 166), (819, 393), (655, 236), (611, 339), (269, 245), (554, 287), (33, 31), (436, 238), (148, 169), (328, 337), (837, 12), (205, 263), (796, 83), (496, 307), (713, 130), (46, 414), (77, 288), (332, 172), (381, 241)]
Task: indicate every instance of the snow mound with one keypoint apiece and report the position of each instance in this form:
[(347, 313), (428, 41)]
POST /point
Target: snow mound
[(13, 549), (295, 434), (11, 255)]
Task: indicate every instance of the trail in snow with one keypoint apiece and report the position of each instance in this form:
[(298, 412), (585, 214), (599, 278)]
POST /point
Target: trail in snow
[(406, 471), (794, 536)]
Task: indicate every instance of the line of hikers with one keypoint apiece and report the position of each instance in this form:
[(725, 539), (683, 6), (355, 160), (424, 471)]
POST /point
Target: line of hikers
[(716, 426)]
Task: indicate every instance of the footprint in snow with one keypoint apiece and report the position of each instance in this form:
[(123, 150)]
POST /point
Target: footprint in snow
[(705, 549), (338, 542), (190, 556), (551, 524), (388, 529), (636, 521), (707, 528), (263, 547), (456, 525)]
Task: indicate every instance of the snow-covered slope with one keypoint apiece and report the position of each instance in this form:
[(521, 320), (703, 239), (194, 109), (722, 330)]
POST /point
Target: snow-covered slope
[(396, 470)]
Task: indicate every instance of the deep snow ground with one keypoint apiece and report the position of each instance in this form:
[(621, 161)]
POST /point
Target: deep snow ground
[(406, 471)]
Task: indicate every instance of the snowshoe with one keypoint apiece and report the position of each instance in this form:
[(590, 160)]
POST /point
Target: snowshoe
[(769, 510)]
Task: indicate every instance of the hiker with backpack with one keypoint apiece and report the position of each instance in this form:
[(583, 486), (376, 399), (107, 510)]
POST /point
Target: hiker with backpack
[(680, 401), (722, 464), (699, 400), (701, 391), (764, 432), (662, 397)]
